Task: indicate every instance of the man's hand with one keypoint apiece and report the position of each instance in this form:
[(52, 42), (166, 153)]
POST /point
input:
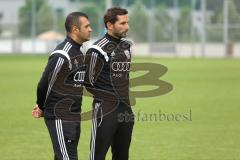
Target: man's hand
[(37, 112)]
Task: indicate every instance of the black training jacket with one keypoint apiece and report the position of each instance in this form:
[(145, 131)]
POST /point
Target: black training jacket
[(60, 88)]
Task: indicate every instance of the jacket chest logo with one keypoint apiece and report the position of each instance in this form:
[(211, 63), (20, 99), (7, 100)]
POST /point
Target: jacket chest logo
[(76, 63)]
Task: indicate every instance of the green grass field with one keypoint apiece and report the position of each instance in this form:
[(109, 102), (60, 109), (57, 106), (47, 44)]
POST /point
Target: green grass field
[(210, 88)]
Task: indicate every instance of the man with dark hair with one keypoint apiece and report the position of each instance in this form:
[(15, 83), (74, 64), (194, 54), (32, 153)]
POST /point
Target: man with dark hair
[(59, 91), (107, 78)]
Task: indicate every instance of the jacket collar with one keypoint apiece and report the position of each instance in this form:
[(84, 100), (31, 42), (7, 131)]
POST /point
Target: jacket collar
[(111, 38), (74, 43)]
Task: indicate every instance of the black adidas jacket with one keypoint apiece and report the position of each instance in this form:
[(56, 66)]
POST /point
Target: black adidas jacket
[(107, 68), (60, 87)]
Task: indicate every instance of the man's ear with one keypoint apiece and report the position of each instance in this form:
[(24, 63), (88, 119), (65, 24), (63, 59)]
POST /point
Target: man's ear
[(74, 28), (109, 25)]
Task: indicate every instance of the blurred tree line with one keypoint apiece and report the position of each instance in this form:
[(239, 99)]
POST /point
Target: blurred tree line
[(218, 19), (45, 18), (162, 16)]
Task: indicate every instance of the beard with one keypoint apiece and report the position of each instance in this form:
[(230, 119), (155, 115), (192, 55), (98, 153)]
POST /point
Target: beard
[(121, 34), (124, 35)]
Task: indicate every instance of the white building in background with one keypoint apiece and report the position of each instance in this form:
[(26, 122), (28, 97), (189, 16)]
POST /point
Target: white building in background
[(9, 8), (9, 12)]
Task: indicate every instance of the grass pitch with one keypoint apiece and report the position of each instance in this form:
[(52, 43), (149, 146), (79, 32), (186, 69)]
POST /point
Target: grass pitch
[(206, 92)]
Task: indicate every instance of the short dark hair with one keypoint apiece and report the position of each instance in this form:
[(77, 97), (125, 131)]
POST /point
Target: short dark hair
[(112, 13), (73, 20)]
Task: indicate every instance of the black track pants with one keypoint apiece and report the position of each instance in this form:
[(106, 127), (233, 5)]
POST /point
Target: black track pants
[(64, 136), (113, 129)]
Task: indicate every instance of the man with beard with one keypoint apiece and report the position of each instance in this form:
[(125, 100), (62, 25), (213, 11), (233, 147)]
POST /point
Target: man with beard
[(107, 78)]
